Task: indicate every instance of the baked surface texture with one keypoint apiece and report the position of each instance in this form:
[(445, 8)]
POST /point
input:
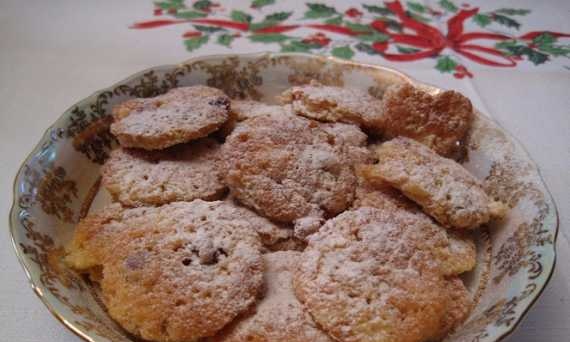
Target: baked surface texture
[(247, 109), (181, 115), (371, 275), (173, 273), (278, 316), (184, 172), (456, 251), (336, 104), (440, 121), (443, 188), (289, 168)]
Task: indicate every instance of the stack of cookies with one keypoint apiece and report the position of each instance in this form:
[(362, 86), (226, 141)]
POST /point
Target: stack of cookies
[(334, 216)]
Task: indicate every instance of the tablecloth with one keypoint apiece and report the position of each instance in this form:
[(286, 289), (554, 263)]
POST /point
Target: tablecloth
[(510, 57)]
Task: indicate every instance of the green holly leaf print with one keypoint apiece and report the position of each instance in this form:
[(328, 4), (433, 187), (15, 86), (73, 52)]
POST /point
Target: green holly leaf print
[(556, 50), (268, 38), (208, 29), (374, 37), (195, 43), (278, 16), (545, 43), (202, 5), (506, 21), (406, 50), (544, 39), (270, 20), (482, 19), (535, 57), (448, 5), (510, 47), (513, 11), (225, 39), (334, 21), (366, 48), (171, 4), (190, 14), (344, 52), (261, 3), (356, 27), (445, 64), (514, 48), (240, 16), (319, 11), (377, 10), (298, 46), (416, 7)]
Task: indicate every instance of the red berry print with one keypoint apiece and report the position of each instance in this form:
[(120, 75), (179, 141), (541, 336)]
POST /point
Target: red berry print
[(353, 13)]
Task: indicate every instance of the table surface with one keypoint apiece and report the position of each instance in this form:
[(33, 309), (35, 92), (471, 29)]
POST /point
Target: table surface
[(54, 53)]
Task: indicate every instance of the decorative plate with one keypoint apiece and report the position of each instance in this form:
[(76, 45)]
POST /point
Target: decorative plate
[(59, 182)]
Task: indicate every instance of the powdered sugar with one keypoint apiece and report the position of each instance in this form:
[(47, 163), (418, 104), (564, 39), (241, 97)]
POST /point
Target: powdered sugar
[(372, 275), (443, 188), (335, 104), (181, 115), (184, 172)]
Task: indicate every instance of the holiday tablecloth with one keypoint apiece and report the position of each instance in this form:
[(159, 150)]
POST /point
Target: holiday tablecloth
[(452, 37), (510, 57)]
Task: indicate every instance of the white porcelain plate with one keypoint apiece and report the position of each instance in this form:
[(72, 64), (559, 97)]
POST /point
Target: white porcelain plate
[(59, 179)]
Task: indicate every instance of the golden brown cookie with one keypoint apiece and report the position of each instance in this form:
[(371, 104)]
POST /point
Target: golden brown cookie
[(347, 134), (335, 104), (441, 121), (375, 193), (180, 173), (271, 234), (290, 168), (178, 272), (443, 188), (456, 252), (242, 110), (461, 304), (370, 275), (278, 316), (247, 109), (181, 115)]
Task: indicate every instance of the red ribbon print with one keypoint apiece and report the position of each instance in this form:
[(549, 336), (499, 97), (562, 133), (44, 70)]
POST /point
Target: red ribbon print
[(433, 41)]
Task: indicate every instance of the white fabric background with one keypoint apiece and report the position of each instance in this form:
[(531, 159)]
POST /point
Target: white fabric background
[(54, 53)]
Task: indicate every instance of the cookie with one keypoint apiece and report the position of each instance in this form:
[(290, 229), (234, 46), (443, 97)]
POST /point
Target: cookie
[(181, 115), (440, 121), (460, 255), (443, 188), (370, 275), (456, 252), (271, 234), (375, 193), (346, 134), (460, 307), (88, 247), (178, 272), (336, 104), (242, 110), (278, 316), (184, 172), (247, 109), (289, 168)]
